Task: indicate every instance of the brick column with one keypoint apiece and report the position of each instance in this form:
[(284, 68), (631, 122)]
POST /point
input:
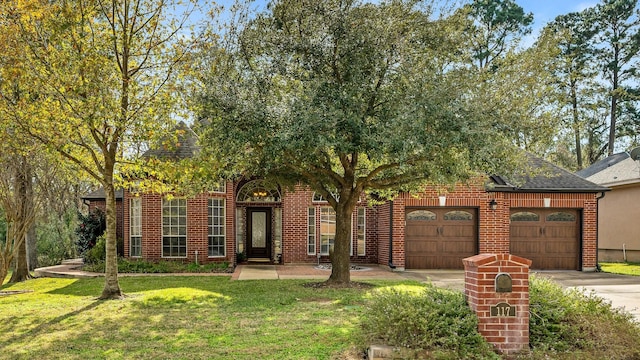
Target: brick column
[(497, 290)]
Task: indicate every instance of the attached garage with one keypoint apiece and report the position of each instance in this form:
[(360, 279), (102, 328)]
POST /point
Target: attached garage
[(549, 237), (439, 238)]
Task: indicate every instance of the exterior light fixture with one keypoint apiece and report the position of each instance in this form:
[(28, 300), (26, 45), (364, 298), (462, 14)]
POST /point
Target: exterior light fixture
[(493, 204)]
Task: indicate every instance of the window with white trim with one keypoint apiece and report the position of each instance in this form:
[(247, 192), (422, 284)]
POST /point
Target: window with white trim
[(311, 232), (217, 234), (327, 229), (135, 227), (174, 227), (361, 232)]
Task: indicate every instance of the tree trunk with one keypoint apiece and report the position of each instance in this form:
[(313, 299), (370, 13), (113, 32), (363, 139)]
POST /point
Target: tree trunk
[(576, 123), (340, 257), (3, 272), (32, 248), (21, 271), (111, 287), (24, 219)]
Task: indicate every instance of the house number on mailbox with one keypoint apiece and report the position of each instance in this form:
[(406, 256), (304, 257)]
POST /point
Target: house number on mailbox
[(503, 310)]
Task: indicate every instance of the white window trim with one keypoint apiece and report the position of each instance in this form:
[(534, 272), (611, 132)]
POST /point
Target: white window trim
[(319, 232), (186, 230), (138, 214), (364, 231), (312, 236), (224, 228)]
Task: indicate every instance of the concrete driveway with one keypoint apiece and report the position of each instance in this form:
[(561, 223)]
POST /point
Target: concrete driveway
[(622, 290)]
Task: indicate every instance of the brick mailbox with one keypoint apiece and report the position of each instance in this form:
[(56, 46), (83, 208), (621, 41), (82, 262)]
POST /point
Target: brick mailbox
[(497, 290)]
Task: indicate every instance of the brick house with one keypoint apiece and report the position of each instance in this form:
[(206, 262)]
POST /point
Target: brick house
[(550, 219)]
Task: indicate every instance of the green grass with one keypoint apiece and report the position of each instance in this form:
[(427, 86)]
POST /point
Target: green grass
[(627, 268), (179, 318)]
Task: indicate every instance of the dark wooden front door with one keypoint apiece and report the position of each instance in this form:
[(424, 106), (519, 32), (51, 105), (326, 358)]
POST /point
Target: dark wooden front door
[(550, 238), (258, 233), (439, 238)]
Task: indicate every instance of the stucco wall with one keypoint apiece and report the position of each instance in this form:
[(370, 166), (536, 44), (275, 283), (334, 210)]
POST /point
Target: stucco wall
[(619, 224)]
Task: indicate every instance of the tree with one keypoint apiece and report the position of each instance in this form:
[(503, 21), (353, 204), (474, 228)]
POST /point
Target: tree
[(574, 69), (496, 27), (349, 98), (618, 23), (105, 71)]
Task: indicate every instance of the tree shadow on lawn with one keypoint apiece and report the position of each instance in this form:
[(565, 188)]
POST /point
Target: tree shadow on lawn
[(45, 327)]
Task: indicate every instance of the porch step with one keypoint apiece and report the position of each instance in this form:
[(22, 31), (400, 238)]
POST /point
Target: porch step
[(259, 260)]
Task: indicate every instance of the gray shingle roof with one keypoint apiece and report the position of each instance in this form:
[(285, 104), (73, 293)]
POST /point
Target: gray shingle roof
[(100, 195), (181, 143), (598, 166), (548, 178)]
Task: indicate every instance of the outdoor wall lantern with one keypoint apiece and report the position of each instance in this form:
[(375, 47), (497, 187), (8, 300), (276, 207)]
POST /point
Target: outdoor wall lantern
[(493, 204)]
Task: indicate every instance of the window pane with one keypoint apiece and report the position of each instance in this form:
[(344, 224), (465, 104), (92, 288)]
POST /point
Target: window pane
[(422, 215), (561, 216), (525, 216), (458, 215)]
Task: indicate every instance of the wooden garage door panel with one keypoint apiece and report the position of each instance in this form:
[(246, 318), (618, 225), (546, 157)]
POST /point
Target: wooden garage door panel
[(552, 242), (420, 247), (441, 242)]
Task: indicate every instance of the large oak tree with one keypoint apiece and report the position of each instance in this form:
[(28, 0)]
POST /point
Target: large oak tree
[(349, 98)]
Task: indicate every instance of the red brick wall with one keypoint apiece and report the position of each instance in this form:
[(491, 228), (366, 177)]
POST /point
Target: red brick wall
[(295, 205), (493, 231), (197, 227), (494, 224), (508, 334)]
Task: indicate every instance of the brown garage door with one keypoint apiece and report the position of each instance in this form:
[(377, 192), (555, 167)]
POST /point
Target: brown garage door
[(439, 238), (549, 237)]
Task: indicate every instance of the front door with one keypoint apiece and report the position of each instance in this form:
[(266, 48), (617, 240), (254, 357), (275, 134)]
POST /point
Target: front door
[(259, 233)]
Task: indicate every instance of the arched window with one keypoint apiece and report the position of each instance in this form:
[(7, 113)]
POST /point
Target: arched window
[(258, 191), (421, 215), (458, 215), (561, 216), (525, 216)]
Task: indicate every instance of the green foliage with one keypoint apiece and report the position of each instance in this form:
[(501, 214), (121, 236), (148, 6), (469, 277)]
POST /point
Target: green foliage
[(571, 321), (56, 238), (161, 267), (97, 253), (432, 319), (91, 226)]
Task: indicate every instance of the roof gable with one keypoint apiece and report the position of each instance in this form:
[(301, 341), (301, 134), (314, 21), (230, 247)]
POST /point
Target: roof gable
[(181, 143), (548, 178)]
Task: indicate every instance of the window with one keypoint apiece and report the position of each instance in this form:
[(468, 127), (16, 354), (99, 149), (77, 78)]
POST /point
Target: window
[(525, 216), (423, 215), (258, 191), (311, 232), (361, 231), (217, 239), (458, 215), (561, 216), (220, 187), (327, 229), (174, 228), (135, 227)]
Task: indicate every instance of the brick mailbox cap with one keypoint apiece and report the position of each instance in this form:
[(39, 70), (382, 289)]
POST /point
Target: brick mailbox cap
[(490, 259)]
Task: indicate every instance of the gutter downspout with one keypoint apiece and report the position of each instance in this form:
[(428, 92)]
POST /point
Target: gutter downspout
[(391, 235), (602, 194)]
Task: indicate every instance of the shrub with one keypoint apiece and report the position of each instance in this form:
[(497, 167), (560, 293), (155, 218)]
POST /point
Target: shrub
[(97, 253), (90, 228), (575, 321), (429, 319)]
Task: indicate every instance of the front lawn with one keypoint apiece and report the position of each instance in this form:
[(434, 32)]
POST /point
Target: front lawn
[(178, 318), (624, 268), (211, 317)]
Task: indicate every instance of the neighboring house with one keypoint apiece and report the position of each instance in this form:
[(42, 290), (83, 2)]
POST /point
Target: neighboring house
[(550, 219), (619, 210)]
